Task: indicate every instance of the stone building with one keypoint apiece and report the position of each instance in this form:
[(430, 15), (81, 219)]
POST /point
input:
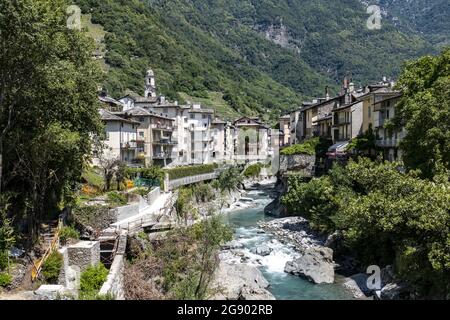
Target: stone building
[(253, 140)]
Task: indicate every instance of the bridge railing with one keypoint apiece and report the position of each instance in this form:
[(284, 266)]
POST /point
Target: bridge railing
[(172, 184)]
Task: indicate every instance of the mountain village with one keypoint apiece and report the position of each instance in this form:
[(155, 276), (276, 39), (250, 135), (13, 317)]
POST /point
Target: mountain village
[(250, 194), (149, 130)]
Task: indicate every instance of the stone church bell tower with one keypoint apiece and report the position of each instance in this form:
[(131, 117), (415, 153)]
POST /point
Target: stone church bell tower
[(150, 84)]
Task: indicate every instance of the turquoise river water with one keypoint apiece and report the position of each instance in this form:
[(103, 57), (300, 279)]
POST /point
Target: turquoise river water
[(282, 285)]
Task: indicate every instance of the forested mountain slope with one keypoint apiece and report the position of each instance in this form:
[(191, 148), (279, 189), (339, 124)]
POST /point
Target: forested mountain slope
[(429, 17), (258, 56)]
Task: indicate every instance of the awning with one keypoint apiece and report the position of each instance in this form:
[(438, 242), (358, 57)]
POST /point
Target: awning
[(338, 147)]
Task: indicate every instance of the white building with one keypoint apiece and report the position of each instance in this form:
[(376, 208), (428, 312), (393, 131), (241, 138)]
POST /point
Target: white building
[(199, 138), (198, 123), (120, 139)]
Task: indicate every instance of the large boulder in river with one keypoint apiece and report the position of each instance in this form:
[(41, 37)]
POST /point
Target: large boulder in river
[(315, 264), (394, 291), (239, 282), (357, 285), (262, 250)]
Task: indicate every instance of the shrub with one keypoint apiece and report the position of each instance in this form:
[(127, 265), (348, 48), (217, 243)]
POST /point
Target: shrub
[(385, 216), (187, 171), (3, 260), (142, 191), (93, 178), (98, 217), (92, 280), (253, 170), (52, 267), (153, 173), (203, 192), (68, 232), (5, 279), (117, 199), (229, 179), (308, 147)]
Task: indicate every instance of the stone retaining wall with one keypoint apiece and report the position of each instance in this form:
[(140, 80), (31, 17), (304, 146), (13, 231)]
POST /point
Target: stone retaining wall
[(299, 162), (114, 285)]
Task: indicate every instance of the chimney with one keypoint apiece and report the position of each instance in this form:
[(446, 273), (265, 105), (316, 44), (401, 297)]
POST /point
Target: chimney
[(327, 94)]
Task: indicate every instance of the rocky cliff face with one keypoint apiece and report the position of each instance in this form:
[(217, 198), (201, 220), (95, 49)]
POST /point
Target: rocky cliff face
[(302, 163)]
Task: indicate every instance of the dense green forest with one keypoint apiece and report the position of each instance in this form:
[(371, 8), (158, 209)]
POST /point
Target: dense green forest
[(431, 18), (262, 57)]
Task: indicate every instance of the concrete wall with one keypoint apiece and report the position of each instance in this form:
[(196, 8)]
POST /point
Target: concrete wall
[(114, 284), (357, 120), (153, 195), (127, 211)]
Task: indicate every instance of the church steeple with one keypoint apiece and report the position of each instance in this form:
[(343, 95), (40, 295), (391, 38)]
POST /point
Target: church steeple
[(150, 84)]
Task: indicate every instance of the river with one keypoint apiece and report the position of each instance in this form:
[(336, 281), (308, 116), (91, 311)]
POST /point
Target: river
[(282, 285)]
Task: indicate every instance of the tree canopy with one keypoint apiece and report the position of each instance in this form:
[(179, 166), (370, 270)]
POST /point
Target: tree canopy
[(424, 111), (48, 104)]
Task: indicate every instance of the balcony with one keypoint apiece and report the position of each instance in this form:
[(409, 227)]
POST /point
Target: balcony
[(164, 127), (341, 122), (140, 142), (128, 145), (161, 156), (165, 142)]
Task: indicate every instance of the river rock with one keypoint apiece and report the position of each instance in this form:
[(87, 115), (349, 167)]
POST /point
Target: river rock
[(357, 285), (234, 244), (315, 264), (394, 291), (262, 250), (239, 281)]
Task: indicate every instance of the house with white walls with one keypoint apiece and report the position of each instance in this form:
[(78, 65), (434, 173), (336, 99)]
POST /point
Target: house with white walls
[(120, 139)]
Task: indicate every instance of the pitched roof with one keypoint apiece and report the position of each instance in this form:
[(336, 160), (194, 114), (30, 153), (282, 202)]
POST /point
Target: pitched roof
[(395, 96), (139, 99), (109, 116), (141, 112), (218, 121), (108, 99), (345, 106)]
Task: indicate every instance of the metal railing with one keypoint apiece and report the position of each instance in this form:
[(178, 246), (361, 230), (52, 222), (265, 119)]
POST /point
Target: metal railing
[(192, 179), (129, 145), (162, 126), (135, 225)]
